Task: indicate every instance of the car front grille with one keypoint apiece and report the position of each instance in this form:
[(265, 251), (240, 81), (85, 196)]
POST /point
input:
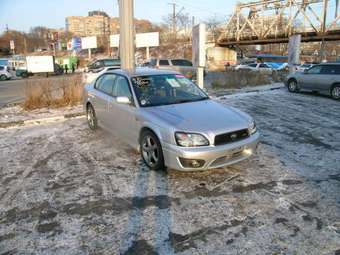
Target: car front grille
[(231, 137)]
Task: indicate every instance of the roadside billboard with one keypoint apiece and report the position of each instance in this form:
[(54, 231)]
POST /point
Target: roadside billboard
[(147, 40), (198, 45), (143, 40), (114, 41), (89, 42)]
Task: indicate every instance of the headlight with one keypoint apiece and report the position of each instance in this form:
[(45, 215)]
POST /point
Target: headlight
[(190, 140), (252, 127)]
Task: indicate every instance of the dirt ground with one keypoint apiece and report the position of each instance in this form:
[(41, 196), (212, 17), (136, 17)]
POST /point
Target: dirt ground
[(67, 190)]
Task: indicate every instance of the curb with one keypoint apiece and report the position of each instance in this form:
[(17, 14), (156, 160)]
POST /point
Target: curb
[(248, 91), (27, 123)]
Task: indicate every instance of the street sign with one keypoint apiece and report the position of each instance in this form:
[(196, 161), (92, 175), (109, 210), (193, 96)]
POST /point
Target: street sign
[(89, 42), (11, 44)]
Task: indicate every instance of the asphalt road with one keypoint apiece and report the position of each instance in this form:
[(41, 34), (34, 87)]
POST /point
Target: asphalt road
[(13, 91), (65, 189)]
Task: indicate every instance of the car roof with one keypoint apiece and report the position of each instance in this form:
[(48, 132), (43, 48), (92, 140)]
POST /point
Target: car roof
[(142, 72)]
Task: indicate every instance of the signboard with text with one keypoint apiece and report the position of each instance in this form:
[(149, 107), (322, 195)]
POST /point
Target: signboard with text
[(142, 40)]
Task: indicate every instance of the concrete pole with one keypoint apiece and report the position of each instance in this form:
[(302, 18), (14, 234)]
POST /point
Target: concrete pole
[(89, 52), (127, 35), (323, 29), (147, 53)]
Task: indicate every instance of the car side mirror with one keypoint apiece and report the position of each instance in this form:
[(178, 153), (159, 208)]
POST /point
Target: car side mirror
[(123, 100)]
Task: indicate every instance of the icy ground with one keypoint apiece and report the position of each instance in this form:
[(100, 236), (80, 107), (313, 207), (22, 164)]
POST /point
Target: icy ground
[(67, 190)]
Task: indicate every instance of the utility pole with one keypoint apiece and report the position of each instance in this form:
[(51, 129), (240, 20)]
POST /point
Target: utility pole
[(127, 35), (174, 22)]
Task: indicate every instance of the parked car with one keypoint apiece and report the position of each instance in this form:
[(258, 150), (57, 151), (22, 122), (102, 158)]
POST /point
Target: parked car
[(169, 119), (100, 64), (91, 76), (183, 66), (303, 67), (262, 67), (323, 78), (4, 73)]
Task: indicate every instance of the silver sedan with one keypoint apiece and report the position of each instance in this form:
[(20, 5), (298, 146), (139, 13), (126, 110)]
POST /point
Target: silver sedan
[(171, 121)]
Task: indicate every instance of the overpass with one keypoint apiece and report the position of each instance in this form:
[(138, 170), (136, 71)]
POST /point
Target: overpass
[(274, 21)]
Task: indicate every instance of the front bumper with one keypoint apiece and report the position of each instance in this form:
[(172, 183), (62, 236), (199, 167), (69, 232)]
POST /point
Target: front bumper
[(214, 156)]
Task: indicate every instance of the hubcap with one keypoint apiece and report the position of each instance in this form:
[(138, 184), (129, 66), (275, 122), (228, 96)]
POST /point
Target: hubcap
[(150, 151), (336, 92), (90, 117)]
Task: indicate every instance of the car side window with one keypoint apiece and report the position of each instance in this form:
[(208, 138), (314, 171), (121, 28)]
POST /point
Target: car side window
[(181, 62), (2, 68), (315, 70), (263, 66), (330, 69), (106, 83), (122, 88), (163, 62), (252, 65)]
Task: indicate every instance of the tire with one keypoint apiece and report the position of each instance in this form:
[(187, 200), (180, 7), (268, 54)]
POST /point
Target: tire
[(335, 92), (151, 151), (3, 77), (91, 117), (24, 75), (293, 86)]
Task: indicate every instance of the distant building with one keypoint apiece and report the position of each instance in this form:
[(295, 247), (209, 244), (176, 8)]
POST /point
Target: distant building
[(97, 23)]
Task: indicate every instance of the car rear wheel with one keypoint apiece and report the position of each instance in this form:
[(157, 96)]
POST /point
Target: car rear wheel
[(335, 92), (292, 86), (151, 151), (3, 77), (91, 118)]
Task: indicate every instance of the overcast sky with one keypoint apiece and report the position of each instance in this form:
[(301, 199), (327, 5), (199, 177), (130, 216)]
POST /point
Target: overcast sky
[(23, 14)]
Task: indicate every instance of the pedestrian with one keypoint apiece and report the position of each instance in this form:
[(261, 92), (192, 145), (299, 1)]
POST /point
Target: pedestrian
[(72, 67), (66, 68)]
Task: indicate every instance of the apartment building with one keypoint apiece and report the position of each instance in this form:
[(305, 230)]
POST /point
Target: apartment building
[(97, 23)]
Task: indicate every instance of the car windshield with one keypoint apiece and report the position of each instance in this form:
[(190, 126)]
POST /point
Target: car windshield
[(156, 90)]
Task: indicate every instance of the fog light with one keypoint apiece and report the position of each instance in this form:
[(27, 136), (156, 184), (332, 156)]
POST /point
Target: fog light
[(248, 151), (191, 163)]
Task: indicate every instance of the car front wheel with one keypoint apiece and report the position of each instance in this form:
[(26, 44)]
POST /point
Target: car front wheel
[(3, 77), (151, 151), (91, 118), (335, 93), (292, 86)]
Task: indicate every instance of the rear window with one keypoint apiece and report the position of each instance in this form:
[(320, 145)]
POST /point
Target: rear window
[(163, 62), (111, 62), (330, 69), (181, 62)]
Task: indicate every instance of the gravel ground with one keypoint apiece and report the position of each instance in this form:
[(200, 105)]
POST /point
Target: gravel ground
[(67, 190)]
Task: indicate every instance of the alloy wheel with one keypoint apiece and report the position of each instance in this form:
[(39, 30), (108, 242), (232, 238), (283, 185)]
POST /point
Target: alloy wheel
[(91, 118), (150, 151), (292, 86), (336, 92)]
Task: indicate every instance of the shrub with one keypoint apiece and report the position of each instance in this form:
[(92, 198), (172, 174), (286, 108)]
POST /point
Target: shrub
[(50, 92)]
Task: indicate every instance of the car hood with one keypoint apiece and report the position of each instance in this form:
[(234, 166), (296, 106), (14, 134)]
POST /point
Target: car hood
[(201, 116)]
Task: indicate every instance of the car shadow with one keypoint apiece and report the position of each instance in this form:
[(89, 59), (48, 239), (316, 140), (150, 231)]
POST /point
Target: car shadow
[(131, 241)]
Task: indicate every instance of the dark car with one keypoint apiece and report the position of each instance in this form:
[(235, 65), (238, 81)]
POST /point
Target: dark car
[(98, 65), (323, 78)]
